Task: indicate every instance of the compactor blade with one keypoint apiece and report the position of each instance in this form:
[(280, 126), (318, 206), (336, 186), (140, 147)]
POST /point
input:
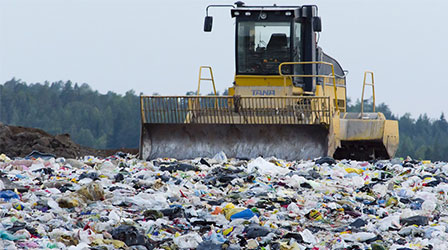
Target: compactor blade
[(290, 128), (184, 141)]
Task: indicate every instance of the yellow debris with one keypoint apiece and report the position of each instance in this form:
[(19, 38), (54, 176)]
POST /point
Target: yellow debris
[(354, 170)]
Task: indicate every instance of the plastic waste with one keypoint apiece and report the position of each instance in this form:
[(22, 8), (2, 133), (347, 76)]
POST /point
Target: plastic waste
[(36, 154), (188, 241), (152, 214), (415, 220), (266, 168), (178, 167), (245, 214), (92, 192), (252, 244), (7, 195), (376, 246), (360, 237), (231, 211), (429, 206), (308, 237), (217, 238), (69, 202), (314, 215), (328, 160), (358, 223), (220, 157), (172, 212), (130, 236), (6, 236), (205, 203), (209, 245), (254, 231)]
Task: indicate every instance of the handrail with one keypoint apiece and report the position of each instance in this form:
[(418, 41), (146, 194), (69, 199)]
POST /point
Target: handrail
[(372, 83), (321, 76), (142, 108), (212, 79), (206, 79), (214, 97), (237, 109)]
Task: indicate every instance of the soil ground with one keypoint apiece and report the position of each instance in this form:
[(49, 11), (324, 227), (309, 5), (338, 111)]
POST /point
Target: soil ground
[(17, 141)]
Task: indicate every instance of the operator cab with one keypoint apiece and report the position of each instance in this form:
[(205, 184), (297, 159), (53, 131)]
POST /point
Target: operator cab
[(266, 36), (264, 39), (269, 35)]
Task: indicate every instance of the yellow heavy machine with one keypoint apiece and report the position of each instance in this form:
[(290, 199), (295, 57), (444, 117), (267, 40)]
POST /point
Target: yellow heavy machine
[(288, 99)]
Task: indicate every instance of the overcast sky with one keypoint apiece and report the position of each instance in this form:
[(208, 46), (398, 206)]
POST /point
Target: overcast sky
[(157, 46)]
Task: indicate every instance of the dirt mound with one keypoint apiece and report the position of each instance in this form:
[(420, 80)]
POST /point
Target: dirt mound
[(17, 141)]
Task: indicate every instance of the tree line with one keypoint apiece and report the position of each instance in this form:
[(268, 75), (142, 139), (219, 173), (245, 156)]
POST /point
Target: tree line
[(112, 120), (92, 119)]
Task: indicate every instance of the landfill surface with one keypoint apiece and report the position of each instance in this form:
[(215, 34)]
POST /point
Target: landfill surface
[(121, 202)]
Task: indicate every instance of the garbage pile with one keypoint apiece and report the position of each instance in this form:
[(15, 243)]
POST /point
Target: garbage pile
[(120, 202), (18, 141)]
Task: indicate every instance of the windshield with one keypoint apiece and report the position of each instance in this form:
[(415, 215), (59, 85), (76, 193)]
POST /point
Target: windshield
[(262, 46)]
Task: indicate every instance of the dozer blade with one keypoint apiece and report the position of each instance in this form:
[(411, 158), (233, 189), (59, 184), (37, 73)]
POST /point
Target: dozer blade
[(182, 141), (290, 128)]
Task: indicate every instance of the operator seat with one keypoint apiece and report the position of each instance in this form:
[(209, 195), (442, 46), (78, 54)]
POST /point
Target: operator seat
[(277, 42)]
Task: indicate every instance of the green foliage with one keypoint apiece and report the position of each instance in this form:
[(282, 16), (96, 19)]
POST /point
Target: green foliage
[(191, 93), (92, 119)]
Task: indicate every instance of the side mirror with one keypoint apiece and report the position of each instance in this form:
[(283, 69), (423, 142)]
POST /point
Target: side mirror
[(317, 24), (208, 23)]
